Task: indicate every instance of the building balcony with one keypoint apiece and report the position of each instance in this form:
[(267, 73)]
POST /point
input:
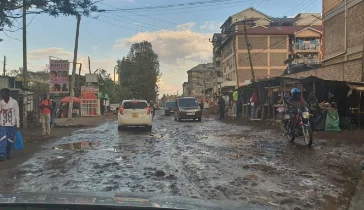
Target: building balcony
[(307, 47), (306, 61), (218, 58)]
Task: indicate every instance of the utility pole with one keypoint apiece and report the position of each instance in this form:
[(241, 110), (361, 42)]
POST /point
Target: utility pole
[(89, 65), (236, 59), (25, 67), (72, 91), (79, 76), (4, 70), (248, 46), (114, 76)]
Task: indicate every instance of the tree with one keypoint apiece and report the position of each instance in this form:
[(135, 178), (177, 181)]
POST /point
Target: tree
[(9, 9), (139, 72)]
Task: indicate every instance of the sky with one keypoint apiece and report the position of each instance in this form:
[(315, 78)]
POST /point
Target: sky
[(179, 35)]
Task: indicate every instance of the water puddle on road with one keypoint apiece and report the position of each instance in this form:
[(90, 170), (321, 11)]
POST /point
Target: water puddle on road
[(78, 145)]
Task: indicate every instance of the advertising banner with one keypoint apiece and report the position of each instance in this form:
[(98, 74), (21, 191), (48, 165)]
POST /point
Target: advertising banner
[(59, 70)]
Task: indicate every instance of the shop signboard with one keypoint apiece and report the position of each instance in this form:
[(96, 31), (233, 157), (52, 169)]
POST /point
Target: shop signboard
[(59, 70)]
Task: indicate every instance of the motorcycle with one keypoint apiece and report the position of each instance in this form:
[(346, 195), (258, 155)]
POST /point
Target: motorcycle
[(296, 123)]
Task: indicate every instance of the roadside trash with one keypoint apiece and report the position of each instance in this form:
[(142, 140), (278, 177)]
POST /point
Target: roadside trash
[(18, 144)]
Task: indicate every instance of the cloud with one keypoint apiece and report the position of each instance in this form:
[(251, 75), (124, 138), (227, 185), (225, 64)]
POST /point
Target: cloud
[(44, 53), (186, 26), (166, 88), (174, 47), (40, 57), (178, 50), (211, 25)]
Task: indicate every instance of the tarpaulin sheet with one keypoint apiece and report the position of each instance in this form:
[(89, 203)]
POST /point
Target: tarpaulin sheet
[(332, 121)]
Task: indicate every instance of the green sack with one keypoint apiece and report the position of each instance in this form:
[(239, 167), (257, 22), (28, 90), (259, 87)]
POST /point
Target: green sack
[(332, 121)]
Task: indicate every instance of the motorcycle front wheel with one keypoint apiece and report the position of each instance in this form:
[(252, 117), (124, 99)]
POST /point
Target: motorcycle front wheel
[(307, 134), (289, 132)]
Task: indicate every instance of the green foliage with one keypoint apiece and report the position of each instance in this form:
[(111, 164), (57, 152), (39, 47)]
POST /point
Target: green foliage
[(139, 72), (9, 9)]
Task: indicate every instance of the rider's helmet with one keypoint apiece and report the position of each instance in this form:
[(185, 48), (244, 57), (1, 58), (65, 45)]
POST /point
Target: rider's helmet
[(295, 90), (296, 94)]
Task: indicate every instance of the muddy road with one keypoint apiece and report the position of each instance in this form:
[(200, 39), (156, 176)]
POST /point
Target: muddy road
[(205, 160)]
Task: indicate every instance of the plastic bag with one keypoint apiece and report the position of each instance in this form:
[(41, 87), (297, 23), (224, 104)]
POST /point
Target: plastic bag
[(18, 144)]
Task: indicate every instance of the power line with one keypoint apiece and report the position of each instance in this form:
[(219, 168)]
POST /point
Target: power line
[(294, 7), (11, 37), (55, 31), (149, 17), (183, 5)]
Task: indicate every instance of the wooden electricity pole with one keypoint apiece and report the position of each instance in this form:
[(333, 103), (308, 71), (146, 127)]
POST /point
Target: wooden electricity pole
[(248, 48), (4, 70), (72, 91), (25, 67), (89, 64)]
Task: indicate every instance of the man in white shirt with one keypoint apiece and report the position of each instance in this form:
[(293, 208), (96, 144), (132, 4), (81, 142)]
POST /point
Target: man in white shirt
[(9, 123)]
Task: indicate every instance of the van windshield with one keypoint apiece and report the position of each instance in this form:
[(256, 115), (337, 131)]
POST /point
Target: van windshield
[(187, 102)]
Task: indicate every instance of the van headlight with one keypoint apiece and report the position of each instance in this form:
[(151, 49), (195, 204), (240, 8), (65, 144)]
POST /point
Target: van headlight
[(306, 115), (181, 110)]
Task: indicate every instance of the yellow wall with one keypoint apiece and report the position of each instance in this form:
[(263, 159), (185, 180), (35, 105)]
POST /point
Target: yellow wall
[(330, 4)]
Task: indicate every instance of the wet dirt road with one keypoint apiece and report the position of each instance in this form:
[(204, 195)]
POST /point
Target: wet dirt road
[(206, 160)]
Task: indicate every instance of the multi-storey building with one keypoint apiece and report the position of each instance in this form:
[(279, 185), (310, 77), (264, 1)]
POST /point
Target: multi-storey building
[(271, 41)]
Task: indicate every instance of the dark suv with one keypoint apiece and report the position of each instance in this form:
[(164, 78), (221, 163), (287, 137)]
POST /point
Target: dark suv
[(187, 108), (169, 107)]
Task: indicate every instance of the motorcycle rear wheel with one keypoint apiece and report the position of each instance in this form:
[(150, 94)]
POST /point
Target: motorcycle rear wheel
[(307, 135)]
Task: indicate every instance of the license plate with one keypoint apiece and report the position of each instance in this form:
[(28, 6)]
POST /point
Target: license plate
[(192, 113), (135, 115)]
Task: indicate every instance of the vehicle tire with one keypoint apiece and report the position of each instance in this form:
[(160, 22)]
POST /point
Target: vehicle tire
[(120, 128), (149, 128), (290, 135), (199, 119), (179, 119), (307, 135), (165, 114)]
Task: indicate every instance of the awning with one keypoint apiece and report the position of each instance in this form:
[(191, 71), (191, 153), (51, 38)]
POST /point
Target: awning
[(359, 88)]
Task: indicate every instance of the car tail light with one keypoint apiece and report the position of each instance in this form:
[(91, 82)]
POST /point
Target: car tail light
[(121, 110), (148, 110)]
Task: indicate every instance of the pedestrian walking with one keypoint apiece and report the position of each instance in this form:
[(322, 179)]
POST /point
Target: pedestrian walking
[(253, 100), (53, 111), (45, 112), (235, 102), (9, 123), (222, 108), (206, 106)]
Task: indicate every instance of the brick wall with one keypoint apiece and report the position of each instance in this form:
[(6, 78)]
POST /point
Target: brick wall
[(244, 75), (355, 25), (276, 72), (278, 42), (277, 59), (344, 71), (334, 34), (257, 42), (259, 59)]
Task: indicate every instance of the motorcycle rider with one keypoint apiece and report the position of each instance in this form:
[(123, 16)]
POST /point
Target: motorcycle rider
[(295, 102)]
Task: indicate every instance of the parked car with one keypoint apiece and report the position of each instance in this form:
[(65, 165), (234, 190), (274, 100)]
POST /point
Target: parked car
[(169, 108), (187, 108), (134, 113)]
